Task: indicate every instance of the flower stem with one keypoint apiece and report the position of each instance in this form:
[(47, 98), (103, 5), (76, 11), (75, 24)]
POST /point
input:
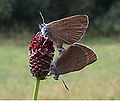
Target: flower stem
[(36, 89)]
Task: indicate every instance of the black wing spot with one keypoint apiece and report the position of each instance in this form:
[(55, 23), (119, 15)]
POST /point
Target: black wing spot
[(77, 59), (76, 65), (66, 24), (69, 32)]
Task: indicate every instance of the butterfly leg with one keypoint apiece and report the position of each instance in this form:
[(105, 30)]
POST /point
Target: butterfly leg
[(56, 77), (60, 47), (51, 69), (61, 50)]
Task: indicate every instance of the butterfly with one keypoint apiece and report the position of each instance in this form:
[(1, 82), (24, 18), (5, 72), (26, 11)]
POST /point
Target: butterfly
[(74, 58), (67, 30)]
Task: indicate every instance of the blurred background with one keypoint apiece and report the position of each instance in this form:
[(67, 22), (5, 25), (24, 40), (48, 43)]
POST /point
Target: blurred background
[(19, 20)]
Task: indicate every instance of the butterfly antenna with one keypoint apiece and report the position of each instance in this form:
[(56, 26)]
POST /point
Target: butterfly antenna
[(42, 17), (64, 83)]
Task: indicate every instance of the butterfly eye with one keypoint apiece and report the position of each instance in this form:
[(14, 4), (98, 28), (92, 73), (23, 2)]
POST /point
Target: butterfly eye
[(42, 25)]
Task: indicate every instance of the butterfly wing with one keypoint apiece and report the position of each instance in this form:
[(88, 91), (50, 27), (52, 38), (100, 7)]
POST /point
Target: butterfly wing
[(92, 57), (68, 30), (74, 58)]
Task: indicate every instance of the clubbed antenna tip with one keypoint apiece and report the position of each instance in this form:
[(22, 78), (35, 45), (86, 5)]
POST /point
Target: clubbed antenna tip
[(64, 83)]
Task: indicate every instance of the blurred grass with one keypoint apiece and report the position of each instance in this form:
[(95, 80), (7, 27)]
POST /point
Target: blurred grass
[(100, 80)]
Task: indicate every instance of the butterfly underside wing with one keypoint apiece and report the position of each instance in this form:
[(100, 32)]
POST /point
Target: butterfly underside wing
[(92, 57), (74, 58), (68, 30)]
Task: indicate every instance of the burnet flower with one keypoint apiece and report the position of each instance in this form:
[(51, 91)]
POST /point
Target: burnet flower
[(41, 52)]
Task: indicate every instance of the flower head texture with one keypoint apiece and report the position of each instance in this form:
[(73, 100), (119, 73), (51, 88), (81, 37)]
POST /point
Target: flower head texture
[(41, 52)]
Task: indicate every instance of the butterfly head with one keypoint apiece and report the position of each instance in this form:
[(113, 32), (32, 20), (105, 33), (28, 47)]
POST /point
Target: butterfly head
[(43, 28), (56, 75), (42, 25), (53, 71)]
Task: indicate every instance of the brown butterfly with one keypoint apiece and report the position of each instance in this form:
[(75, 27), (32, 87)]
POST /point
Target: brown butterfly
[(68, 30), (74, 58)]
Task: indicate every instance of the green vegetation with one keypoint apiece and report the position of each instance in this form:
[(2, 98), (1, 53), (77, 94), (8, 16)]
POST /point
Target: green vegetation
[(103, 14), (100, 80)]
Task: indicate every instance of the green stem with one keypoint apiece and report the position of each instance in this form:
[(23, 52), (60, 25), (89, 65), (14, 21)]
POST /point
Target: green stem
[(36, 89)]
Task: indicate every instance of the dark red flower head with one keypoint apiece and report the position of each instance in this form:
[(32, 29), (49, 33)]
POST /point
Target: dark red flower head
[(41, 52)]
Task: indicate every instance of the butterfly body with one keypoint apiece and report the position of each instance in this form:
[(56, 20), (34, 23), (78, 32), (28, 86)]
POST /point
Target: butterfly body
[(67, 30), (77, 56), (74, 58)]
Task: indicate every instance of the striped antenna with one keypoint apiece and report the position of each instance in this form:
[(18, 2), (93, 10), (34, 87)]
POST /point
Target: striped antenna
[(42, 17), (64, 83)]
